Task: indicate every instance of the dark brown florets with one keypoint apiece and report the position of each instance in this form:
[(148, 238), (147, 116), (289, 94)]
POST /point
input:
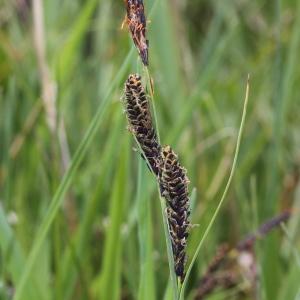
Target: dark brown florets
[(174, 187), (140, 121), (164, 164), (136, 21)]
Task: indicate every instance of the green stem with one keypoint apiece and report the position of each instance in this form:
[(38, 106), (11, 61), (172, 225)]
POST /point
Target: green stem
[(166, 232), (150, 89), (169, 249), (162, 200)]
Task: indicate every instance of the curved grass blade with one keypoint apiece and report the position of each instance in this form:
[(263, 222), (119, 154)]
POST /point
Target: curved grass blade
[(238, 143)]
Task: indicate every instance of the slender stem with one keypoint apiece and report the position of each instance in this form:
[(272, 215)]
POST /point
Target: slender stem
[(150, 88), (166, 232), (169, 249), (173, 276), (162, 200), (238, 143)]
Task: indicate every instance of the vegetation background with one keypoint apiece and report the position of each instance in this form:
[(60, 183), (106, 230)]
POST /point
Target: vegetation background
[(80, 216)]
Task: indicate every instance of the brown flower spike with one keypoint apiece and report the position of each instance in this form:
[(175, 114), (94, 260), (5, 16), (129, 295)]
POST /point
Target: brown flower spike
[(174, 187), (163, 162), (140, 121), (136, 22)]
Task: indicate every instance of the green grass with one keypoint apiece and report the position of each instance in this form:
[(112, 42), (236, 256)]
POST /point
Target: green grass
[(95, 231)]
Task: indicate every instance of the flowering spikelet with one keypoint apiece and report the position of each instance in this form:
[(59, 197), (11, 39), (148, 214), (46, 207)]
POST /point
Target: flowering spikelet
[(174, 187), (136, 21), (140, 121)]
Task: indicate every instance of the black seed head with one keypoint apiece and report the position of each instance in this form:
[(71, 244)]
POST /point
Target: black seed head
[(139, 117), (174, 187)]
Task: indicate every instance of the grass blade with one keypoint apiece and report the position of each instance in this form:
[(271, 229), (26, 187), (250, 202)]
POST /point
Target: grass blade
[(68, 270), (147, 285), (224, 193), (79, 29), (66, 181), (110, 277)]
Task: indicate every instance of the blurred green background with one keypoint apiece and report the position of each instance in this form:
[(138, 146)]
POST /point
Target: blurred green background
[(94, 230)]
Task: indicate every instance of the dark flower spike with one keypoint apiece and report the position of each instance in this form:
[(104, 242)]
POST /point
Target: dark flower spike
[(139, 117), (136, 22), (171, 176), (174, 187)]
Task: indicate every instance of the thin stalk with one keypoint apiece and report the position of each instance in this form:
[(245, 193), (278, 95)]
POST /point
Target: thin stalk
[(166, 232), (238, 143), (162, 200), (169, 248), (150, 88)]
